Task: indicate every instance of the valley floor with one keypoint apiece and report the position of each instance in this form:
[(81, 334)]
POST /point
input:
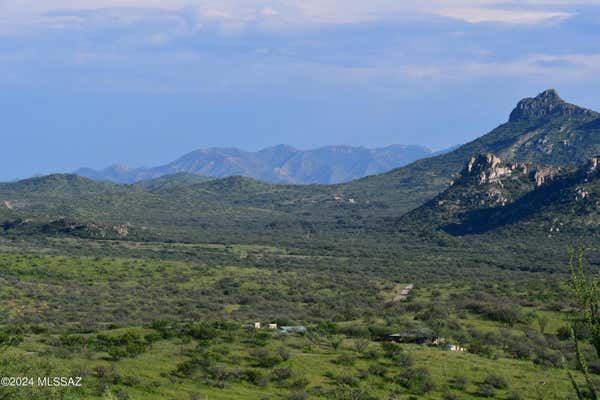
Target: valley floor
[(164, 321)]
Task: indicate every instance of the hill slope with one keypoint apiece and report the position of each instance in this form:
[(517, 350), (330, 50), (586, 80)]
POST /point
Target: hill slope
[(491, 194), (544, 130)]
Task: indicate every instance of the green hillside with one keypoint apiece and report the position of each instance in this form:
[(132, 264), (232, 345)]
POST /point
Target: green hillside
[(544, 130), (491, 194)]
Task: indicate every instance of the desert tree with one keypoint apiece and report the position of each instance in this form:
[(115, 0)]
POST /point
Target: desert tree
[(587, 291)]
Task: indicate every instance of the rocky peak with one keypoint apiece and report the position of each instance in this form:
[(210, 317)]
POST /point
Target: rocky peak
[(547, 103)]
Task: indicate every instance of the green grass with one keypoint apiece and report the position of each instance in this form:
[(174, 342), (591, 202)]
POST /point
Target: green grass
[(150, 374)]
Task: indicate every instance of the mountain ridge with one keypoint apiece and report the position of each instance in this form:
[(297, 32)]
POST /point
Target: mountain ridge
[(276, 164)]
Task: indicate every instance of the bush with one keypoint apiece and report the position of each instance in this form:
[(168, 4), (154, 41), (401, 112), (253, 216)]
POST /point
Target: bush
[(371, 354), (460, 382), (378, 370), (514, 396), (520, 349), (281, 374), (186, 368), (265, 359), (361, 344), (347, 380), (391, 349), (495, 381), (73, 341), (201, 331), (8, 340), (417, 380), (449, 396), (253, 376), (116, 353), (486, 391), (548, 358), (345, 359), (500, 312), (478, 347), (563, 333), (299, 382), (283, 353), (298, 396), (403, 359)]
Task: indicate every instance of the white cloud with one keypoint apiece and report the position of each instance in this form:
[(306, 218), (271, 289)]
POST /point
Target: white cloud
[(563, 67), (480, 15), (18, 14)]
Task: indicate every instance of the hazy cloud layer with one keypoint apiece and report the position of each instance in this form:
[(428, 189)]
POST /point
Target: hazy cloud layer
[(236, 15)]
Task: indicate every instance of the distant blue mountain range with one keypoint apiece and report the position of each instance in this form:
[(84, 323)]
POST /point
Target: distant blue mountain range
[(278, 164)]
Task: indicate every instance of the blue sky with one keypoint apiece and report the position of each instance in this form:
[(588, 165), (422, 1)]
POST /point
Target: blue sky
[(141, 82)]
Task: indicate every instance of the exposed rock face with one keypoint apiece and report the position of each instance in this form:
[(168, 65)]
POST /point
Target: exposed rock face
[(100, 230), (581, 193), (484, 169), (547, 103), (593, 164), (489, 168), (544, 175)]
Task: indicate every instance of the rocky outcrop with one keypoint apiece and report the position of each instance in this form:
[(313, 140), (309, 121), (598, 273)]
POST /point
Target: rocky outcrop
[(593, 163), (544, 175), (96, 230), (488, 168)]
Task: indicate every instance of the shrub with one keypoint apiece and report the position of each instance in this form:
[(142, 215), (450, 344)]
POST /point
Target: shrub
[(347, 380), (186, 368), (73, 341), (403, 359), (460, 382), (265, 359), (371, 354), (116, 353), (201, 331), (281, 374), (345, 359), (563, 333), (378, 370), (253, 376), (298, 396), (417, 380), (449, 396), (283, 353), (361, 344), (495, 381), (299, 382), (486, 391), (391, 349)]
